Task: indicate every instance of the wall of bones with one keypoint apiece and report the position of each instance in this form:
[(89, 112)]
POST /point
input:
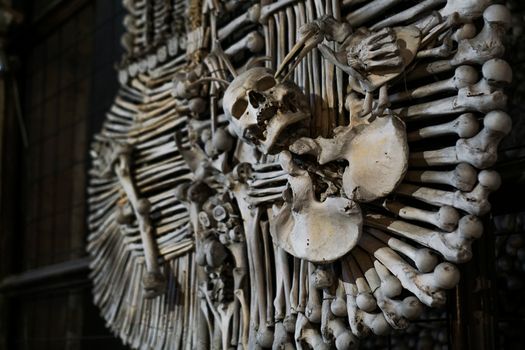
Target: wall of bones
[(294, 174)]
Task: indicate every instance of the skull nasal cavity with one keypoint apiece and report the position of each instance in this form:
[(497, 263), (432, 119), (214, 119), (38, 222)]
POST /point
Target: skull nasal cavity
[(256, 98)]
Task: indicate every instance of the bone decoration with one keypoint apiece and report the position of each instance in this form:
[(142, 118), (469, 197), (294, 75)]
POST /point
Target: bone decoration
[(293, 174)]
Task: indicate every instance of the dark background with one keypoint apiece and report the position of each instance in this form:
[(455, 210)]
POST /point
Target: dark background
[(66, 52)]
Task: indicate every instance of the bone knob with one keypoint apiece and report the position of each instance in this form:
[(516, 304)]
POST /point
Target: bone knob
[(463, 177), (481, 150)]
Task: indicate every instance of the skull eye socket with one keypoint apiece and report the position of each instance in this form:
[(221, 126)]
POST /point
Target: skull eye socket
[(265, 83), (256, 98), (239, 107)]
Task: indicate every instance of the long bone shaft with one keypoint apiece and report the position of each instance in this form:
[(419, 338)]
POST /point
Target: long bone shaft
[(474, 202), (463, 76), (464, 101), (361, 323), (370, 10), (463, 177), (486, 45), (408, 14), (454, 246), (253, 41), (446, 218), (465, 126), (250, 16), (396, 312), (424, 259), (427, 287), (154, 282), (479, 150)]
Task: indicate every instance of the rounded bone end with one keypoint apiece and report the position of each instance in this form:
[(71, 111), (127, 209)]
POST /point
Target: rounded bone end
[(123, 218), (467, 31), (197, 105), (366, 302), (222, 140), (281, 338), (465, 177), (322, 278), (498, 121), (255, 42), (465, 76), (265, 337), (254, 13), (391, 287), (345, 341), (338, 307), (215, 253), (467, 125), (498, 71), (446, 276), (498, 14), (425, 260), (290, 321), (470, 227), (489, 179), (313, 313), (447, 218), (154, 284), (379, 325), (411, 308), (143, 206)]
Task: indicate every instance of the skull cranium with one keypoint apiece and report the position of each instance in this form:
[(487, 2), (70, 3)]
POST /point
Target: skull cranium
[(260, 109)]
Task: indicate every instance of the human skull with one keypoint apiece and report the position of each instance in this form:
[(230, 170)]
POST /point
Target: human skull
[(260, 109)]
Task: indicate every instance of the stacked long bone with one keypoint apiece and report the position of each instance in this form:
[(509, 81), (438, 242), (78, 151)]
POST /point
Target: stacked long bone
[(431, 218), (397, 244)]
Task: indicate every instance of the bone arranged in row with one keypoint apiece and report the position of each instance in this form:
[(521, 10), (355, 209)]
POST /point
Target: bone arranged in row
[(484, 96), (474, 202), (427, 287), (486, 45), (479, 150)]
